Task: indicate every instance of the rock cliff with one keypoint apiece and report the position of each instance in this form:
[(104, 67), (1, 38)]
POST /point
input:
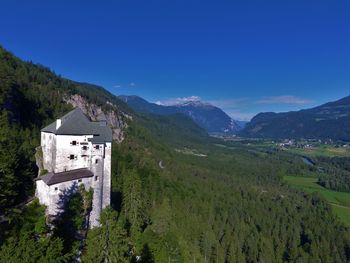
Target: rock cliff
[(116, 119)]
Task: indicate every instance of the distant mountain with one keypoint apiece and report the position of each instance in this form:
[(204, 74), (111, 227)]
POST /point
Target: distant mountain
[(241, 124), (328, 121), (207, 116)]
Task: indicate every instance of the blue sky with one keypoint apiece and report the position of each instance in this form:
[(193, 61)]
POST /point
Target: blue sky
[(244, 56)]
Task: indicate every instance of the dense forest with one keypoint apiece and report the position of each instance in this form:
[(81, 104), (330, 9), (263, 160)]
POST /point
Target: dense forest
[(209, 201), (334, 173)]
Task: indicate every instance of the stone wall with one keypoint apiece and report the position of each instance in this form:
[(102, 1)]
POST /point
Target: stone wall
[(65, 149), (97, 169), (53, 195), (106, 197), (48, 145)]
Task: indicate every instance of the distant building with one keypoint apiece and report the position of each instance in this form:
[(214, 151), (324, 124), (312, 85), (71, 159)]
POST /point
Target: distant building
[(76, 151)]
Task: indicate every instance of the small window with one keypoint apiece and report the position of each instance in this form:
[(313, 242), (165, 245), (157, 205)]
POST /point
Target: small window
[(74, 142), (97, 147), (56, 188), (96, 161), (96, 178), (71, 157), (85, 148), (79, 181)]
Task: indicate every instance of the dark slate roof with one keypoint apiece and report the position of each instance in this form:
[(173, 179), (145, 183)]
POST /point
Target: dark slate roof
[(76, 123), (55, 178), (100, 133), (102, 117)]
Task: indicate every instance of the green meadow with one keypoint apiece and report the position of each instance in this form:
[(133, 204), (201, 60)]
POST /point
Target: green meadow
[(340, 201)]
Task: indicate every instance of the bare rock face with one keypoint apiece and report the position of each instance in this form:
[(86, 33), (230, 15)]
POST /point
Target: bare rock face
[(115, 118)]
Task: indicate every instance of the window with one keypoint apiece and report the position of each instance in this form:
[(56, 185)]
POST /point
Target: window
[(71, 157), (96, 178), (97, 147), (79, 181), (56, 188), (96, 161), (73, 143), (85, 148)]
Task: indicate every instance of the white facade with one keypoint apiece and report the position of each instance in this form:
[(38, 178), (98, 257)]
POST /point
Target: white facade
[(63, 153), (49, 195), (68, 152)]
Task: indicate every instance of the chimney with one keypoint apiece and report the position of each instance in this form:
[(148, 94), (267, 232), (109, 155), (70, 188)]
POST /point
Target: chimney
[(58, 123)]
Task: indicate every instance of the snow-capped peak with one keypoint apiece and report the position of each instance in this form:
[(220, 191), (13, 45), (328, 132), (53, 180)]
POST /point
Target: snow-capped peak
[(194, 103)]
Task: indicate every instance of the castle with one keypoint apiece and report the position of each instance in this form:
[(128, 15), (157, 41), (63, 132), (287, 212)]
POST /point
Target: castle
[(76, 151)]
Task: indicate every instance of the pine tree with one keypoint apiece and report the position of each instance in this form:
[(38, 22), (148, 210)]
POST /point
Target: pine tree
[(162, 218), (108, 243), (132, 200), (9, 164), (94, 246)]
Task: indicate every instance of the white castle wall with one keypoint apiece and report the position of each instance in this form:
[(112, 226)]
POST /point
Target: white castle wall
[(57, 150), (51, 195), (48, 146), (42, 192), (97, 170), (65, 148), (106, 197)]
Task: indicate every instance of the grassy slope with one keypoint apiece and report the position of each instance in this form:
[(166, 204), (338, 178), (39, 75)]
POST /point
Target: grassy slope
[(340, 201)]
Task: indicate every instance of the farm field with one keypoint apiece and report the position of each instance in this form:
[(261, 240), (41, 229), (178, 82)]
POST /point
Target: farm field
[(327, 151), (340, 201)]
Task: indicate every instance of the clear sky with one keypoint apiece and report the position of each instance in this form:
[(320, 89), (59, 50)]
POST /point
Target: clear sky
[(245, 56)]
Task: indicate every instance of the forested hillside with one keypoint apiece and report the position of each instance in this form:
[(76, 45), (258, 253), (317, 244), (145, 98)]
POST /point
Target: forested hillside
[(334, 173), (328, 121), (177, 195)]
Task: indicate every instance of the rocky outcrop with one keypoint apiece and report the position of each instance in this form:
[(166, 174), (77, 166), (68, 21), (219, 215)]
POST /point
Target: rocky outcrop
[(116, 119), (39, 160)]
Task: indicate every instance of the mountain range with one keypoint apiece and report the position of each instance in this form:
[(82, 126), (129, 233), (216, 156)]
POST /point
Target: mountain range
[(328, 121), (205, 115)]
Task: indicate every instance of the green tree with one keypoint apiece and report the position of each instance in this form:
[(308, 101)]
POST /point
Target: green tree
[(9, 164), (162, 218), (132, 200), (108, 243)]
